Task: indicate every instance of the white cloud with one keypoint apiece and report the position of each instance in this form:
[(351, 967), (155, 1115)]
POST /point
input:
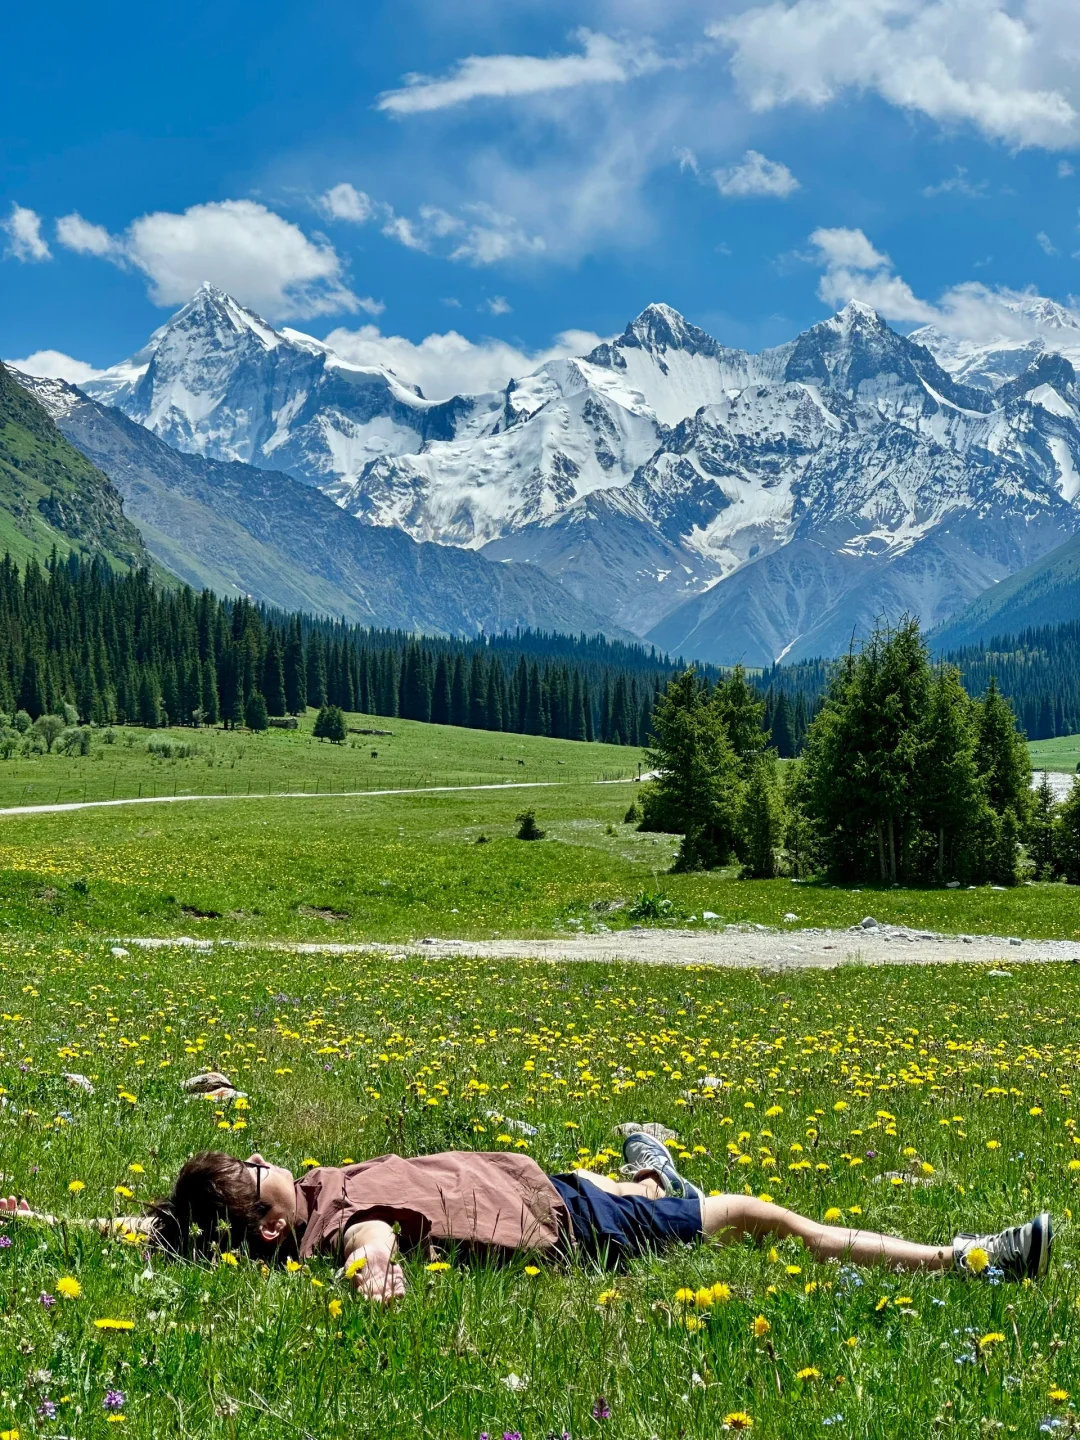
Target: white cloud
[(449, 364), (265, 261), (479, 234), (855, 270), (687, 159), (498, 305), (958, 184), (1008, 69), (602, 60), (55, 365), (1064, 170), (25, 242), (345, 202), (756, 175), (1045, 244), (85, 238)]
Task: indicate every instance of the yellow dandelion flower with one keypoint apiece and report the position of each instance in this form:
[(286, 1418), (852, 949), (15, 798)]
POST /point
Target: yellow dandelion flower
[(993, 1144), (532, 1269), (607, 1297), (437, 1267), (68, 1287), (228, 1258), (292, 1266), (334, 1309), (976, 1260), (123, 1192), (136, 1169), (721, 1293), (881, 1304), (733, 1420), (760, 1327), (852, 1341), (684, 1296), (74, 1186), (108, 1324), (310, 1164), (793, 1269), (833, 1214), (693, 1323), (9, 1435), (808, 1372), (988, 1341)]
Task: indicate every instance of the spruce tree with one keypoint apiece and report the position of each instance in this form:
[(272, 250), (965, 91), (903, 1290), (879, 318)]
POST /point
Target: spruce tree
[(698, 789), (330, 725), (1067, 835), (1039, 837), (952, 796), (440, 693), (762, 820), (316, 673), (741, 711), (1002, 756), (273, 678), (459, 695), (783, 727), (255, 711)]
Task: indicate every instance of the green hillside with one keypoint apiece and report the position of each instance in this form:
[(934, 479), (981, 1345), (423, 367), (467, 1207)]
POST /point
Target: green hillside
[(51, 495), (1045, 593)]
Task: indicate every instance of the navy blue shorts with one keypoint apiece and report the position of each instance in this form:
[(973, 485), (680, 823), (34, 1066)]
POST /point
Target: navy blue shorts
[(614, 1228)]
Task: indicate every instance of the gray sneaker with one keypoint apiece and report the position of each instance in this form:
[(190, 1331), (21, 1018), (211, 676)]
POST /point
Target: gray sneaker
[(643, 1152), (1019, 1253)]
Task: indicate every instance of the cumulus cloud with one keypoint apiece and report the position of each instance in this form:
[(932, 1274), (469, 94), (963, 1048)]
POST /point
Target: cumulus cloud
[(55, 365), (478, 234), (1004, 68), (755, 175), (854, 270), (85, 238), (601, 60), (25, 241), (449, 364), (264, 260), (498, 305)]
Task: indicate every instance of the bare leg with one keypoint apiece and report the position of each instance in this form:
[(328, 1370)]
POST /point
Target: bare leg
[(742, 1215), (650, 1189)]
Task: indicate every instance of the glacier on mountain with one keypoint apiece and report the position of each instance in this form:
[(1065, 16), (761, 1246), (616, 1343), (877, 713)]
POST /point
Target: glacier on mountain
[(726, 504)]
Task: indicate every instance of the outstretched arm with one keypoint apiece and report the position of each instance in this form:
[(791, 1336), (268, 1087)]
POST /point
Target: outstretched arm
[(371, 1261), (11, 1206)]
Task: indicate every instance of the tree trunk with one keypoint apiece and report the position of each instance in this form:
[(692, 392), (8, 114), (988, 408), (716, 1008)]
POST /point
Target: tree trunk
[(881, 849), (892, 850), (941, 852)]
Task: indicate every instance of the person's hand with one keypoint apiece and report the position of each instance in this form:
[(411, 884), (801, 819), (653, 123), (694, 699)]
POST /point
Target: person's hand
[(11, 1205), (376, 1275)]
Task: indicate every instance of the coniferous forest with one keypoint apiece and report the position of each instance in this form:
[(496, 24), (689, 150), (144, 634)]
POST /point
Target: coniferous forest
[(120, 649)]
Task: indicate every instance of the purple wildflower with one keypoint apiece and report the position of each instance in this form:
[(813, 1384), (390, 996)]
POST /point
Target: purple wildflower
[(5, 1242), (511, 1435), (114, 1400), (601, 1411), (47, 1410), (46, 1300)]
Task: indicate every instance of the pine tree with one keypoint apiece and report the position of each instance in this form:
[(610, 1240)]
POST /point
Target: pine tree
[(762, 821), (149, 701), (577, 710), (440, 693), (783, 727), (1067, 836), (330, 725), (741, 710), (1039, 838), (316, 673), (459, 695), (255, 711), (698, 789), (273, 678), (1001, 755), (951, 794), (211, 705), (295, 672)]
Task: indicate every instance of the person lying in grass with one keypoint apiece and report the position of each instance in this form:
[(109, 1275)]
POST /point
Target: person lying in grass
[(368, 1214)]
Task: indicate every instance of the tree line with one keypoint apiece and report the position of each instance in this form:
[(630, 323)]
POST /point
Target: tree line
[(904, 778), (116, 648)]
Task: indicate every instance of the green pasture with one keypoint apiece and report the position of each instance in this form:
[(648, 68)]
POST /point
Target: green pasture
[(922, 1101), (1061, 753), (318, 862)]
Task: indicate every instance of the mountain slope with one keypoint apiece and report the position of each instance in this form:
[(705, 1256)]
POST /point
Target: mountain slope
[(51, 495), (1040, 594), (242, 530)]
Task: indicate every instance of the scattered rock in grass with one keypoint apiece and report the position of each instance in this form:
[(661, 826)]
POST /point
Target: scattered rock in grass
[(119, 952), (318, 912), (1014, 940), (210, 1085), (79, 1082), (999, 974), (709, 915), (651, 1127), (868, 923), (953, 885), (790, 916)]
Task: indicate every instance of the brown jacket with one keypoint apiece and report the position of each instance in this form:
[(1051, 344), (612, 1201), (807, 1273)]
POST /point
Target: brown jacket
[(499, 1200)]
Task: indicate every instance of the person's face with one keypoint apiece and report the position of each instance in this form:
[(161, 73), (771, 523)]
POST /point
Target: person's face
[(274, 1185)]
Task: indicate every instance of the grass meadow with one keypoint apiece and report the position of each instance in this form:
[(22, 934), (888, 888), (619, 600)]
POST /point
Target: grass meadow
[(922, 1100), (397, 867)]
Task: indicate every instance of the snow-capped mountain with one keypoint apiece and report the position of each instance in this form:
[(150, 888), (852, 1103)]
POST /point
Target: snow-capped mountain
[(220, 382), (1033, 327), (726, 504)]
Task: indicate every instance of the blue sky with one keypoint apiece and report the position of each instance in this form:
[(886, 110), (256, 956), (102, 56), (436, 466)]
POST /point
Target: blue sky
[(452, 187)]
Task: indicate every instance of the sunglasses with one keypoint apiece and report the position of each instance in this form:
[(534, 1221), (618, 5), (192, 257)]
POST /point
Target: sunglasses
[(254, 1165)]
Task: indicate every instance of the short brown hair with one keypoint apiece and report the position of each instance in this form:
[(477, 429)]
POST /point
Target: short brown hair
[(212, 1203)]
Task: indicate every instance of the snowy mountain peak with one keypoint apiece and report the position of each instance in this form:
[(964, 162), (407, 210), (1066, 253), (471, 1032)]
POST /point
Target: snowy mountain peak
[(856, 314), (660, 328), (215, 314)]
